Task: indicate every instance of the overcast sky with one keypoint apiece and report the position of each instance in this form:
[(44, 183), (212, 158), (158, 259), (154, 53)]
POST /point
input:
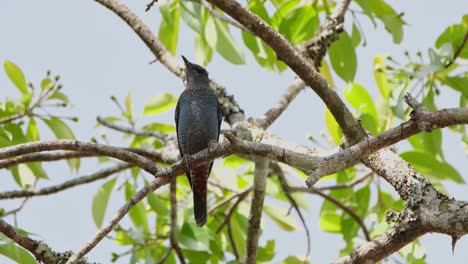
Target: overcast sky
[(97, 55)]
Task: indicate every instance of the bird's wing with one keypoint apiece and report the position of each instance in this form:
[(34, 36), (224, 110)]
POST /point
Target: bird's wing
[(176, 116), (220, 119)]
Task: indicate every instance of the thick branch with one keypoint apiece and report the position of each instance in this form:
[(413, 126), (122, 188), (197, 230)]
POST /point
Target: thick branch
[(102, 174), (256, 209), (39, 249), (75, 145), (421, 121), (391, 241), (293, 58)]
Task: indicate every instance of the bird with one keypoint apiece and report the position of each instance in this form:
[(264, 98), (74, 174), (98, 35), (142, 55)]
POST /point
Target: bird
[(198, 122)]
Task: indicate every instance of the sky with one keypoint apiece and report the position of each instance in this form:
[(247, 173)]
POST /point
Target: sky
[(98, 55)]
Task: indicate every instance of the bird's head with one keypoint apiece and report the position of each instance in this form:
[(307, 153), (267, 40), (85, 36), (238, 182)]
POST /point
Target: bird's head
[(196, 75)]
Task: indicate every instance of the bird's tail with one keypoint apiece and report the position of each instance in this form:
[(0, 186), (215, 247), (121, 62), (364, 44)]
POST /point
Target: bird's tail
[(199, 186)]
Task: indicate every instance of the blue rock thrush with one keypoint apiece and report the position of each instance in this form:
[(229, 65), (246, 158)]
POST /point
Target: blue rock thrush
[(198, 121)]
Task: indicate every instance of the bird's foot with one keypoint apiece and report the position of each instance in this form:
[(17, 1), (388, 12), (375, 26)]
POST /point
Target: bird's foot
[(187, 161), (212, 145)]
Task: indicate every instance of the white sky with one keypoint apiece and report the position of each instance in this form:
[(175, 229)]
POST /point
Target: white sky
[(97, 55)]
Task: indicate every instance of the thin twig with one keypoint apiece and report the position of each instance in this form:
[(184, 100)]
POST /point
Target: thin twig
[(150, 5), (231, 210), (287, 191), (173, 230), (102, 174), (231, 239), (346, 185), (229, 199), (130, 130), (220, 15), (343, 207), (458, 51)]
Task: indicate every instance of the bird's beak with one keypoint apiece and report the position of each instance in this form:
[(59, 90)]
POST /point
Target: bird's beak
[(187, 63)]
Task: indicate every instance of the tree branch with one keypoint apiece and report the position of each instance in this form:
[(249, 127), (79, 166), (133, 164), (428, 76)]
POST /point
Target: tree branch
[(287, 191), (102, 174), (339, 204), (256, 209), (173, 227), (129, 130), (293, 58), (229, 199), (391, 241), (220, 15), (75, 145), (39, 249), (421, 121), (286, 98)]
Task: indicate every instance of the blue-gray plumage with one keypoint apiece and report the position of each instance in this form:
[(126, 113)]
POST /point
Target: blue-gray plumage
[(198, 121)]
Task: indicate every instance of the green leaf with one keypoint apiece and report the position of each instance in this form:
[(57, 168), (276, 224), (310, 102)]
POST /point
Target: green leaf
[(428, 165), (280, 216), (362, 198), (23, 176), (26, 99), (60, 96), (16, 76), (62, 131), (432, 142), (38, 171), (122, 238), (391, 19), (234, 161), (333, 128), (129, 107), (203, 51), (32, 132), (343, 57), (138, 212), (380, 76), (219, 38), (294, 260), (169, 27), (266, 253), (100, 200), (59, 128), (465, 21), (300, 24), (46, 84), (17, 254), (157, 205), (457, 83), (330, 222), (193, 238), (264, 55), (159, 104), (239, 229), (355, 36), (191, 13), (283, 10), (159, 127), (454, 35), (258, 8), (362, 101)]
